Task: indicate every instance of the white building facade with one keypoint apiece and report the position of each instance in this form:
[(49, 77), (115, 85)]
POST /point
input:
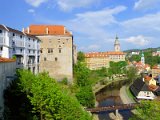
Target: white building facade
[(25, 48)]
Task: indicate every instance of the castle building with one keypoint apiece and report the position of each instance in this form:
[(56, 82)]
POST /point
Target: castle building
[(57, 52), (25, 48), (97, 60)]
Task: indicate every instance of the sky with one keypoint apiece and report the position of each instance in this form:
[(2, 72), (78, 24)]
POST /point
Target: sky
[(94, 23)]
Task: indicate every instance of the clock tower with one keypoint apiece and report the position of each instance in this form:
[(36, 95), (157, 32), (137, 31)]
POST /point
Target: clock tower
[(117, 45)]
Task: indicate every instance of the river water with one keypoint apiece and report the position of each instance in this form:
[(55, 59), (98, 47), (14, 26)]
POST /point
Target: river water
[(110, 95)]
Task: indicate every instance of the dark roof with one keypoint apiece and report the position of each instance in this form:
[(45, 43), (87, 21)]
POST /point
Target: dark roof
[(15, 31), (138, 86), (2, 27)]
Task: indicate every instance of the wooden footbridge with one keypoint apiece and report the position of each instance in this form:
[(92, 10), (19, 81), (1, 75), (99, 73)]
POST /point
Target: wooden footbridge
[(112, 108)]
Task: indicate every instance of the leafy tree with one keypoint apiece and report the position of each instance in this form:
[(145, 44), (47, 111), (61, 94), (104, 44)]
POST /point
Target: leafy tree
[(86, 96), (80, 57), (148, 110), (49, 99), (131, 73)]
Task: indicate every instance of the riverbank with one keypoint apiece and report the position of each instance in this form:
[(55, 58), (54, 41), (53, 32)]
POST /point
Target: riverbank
[(124, 96)]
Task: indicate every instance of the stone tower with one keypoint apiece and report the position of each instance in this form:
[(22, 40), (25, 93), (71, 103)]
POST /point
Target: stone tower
[(142, 58), (117, 45)]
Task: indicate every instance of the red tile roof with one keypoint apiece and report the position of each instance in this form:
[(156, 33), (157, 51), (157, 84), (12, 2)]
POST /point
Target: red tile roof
[(6, 60), (147, 78), (153, 87), (47, 30)]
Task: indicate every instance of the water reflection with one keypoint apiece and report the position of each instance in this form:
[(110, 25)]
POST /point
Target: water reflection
[(110, 95)]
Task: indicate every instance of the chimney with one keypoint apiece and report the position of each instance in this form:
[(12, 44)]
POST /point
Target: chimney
[(47, 31), (64, 30), (23, 30), (28, 30)]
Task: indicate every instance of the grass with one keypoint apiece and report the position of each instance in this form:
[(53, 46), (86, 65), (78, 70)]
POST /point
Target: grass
[(130, 95)]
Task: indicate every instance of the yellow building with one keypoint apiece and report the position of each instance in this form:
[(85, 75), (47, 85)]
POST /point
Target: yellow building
[(97, 60), (155, 71)]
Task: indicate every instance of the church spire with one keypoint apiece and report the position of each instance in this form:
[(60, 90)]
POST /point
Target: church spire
[(116, 44)]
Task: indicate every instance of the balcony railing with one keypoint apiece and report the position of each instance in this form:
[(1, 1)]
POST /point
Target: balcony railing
[(19, 52)]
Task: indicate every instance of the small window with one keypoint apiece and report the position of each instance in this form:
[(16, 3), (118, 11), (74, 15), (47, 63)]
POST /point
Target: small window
[(1, 48), (28, 38), (45, 58), (13, 34), (41, 50), (29, 51), (56, 59), (0, 31), (21, 50), (20, 36), (60, 51)]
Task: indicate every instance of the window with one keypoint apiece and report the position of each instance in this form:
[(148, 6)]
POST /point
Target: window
[(21, 50), (13, 34), (50, 50), (56, 59), (0, 31), (1, 48), (45, 58), (20, 36), (41, 50), (60, 51), (29, 51)]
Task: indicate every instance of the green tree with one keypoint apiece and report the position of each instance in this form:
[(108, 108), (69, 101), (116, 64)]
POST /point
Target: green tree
[(131, 73), (50, 101), (148, 110), (80, 56)]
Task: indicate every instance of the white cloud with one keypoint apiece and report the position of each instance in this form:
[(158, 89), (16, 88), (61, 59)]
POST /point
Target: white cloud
[(31, 10), (67, 5), (139, 40), (93, 23), (146, 24), (35, 3), (146, 4)]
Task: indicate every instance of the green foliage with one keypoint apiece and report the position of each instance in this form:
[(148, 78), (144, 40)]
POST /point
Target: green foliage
[(14, 57), (49, 99), (17, 105), (85, 96), (135, 58), (131, 73), (117, 67), (81, 73), (80, 56), (84, 93), (64, 81), (148, 110)]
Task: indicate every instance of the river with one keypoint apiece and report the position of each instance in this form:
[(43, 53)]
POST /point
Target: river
[(110, 95)]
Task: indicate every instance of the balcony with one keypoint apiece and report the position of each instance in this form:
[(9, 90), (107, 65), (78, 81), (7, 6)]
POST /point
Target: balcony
[(18, 52), (18, 43)]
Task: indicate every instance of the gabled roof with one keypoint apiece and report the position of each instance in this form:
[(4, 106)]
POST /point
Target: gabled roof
[(137, 86), (47, 30), (6, 60)]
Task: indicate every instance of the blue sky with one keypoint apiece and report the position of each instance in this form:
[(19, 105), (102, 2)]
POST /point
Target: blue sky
[(94, 23)]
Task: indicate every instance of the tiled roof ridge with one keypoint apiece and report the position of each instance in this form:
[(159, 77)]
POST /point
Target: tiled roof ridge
[(6, 60)]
